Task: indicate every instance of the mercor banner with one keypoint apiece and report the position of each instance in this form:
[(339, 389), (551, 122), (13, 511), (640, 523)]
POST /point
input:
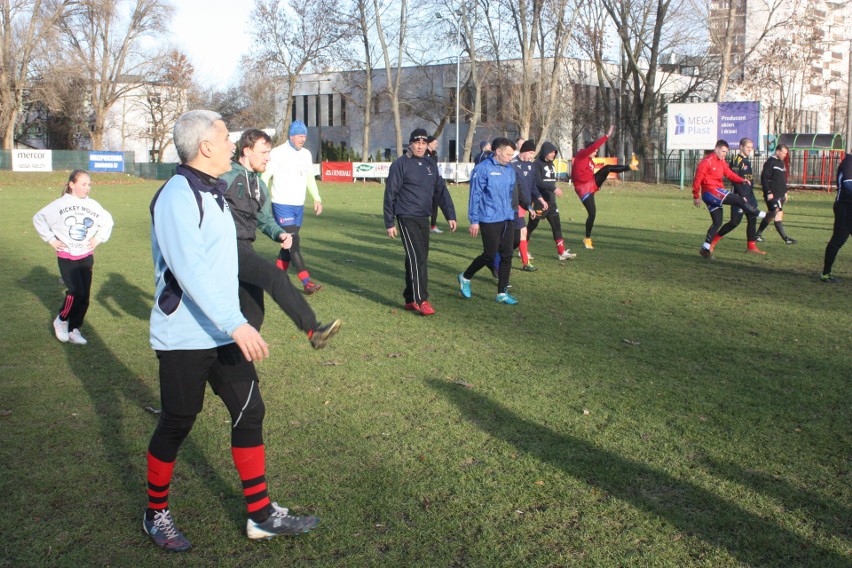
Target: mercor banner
[(697, 126), (32, 161)]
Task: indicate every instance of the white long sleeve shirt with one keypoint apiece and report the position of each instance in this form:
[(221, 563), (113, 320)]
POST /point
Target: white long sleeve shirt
[(289, 175), (73, 221)]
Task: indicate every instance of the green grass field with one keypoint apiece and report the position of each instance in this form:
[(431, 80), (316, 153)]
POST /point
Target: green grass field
[(641, 406)]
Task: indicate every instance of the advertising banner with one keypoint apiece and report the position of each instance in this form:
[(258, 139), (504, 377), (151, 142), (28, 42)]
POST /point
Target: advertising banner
[(337, 171), (106, 162), (32, 161), (370, 169), (697, 126)]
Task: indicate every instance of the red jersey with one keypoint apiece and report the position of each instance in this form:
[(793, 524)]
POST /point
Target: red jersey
[(708, 175), (583, 169)]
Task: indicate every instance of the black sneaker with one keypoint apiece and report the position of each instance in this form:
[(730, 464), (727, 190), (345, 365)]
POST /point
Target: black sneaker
[(280, 522), (164, 533), (322, 333), (790, 241), (758, 238), (827, 278), (529, 268), (705, 252)]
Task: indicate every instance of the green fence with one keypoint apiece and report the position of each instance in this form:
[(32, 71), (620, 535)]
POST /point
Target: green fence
[(79, 159)]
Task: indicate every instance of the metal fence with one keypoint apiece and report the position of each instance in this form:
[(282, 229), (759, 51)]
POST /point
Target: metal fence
[(79, 159)]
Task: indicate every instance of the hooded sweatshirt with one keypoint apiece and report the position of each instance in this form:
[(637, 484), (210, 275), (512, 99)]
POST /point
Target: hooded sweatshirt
[(583, 170), (545, 172)]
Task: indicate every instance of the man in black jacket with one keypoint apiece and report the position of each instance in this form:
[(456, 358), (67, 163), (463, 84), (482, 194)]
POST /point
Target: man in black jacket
[(545, 181), (413, 182), (842, 216), (248, 200), (773, 178)]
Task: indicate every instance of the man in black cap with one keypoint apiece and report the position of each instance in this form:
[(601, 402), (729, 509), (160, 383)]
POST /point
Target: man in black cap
[(413, 183)]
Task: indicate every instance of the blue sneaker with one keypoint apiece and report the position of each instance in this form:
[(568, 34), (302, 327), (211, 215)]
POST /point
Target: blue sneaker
[(505, 298), (464, 285), (164, 533)]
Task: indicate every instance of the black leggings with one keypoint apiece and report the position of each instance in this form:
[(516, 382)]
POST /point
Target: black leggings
[(603, 173), (737, 217), (591, 213), (552, 216), (77, 276), (717, 215), (293, 255), (841, 232)]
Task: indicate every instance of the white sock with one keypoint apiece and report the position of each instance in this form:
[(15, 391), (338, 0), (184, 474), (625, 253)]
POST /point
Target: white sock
[(706, 245), (761, 214)]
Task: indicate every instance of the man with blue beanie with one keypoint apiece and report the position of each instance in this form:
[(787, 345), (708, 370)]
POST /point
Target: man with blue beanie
[(288, 175)]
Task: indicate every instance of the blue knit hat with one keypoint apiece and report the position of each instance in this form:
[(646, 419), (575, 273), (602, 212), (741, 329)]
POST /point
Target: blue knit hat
[(298, 127)]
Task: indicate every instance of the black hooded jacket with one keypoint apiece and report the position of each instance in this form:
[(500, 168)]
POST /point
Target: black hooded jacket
[(545, 172)]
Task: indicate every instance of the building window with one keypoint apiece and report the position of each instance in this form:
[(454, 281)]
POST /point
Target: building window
[(305, 109), (331, 110), (293, 110), (317, 110), (342, 111)]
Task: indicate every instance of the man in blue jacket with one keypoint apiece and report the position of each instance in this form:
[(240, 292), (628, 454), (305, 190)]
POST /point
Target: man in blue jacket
[(413, 182), (491, 214), (200, 335)]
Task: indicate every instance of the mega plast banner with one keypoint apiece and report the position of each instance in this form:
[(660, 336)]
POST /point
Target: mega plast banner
[(337, 171), (32, 161), (106, 162), (697, 126)]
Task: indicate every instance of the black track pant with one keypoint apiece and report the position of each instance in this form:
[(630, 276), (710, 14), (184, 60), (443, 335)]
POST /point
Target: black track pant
[(589, 202), (841, 232), (77, 276), (414, 233), (737, 216), (552, 216), (293, 255), (496, 237), (434, 220), (717, 215), (603, 173), (258, 274)]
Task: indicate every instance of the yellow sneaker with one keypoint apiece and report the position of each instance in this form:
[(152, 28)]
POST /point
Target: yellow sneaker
[(588, 243), (634, 162)]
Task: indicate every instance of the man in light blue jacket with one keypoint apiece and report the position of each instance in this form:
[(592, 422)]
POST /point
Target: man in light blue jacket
[(491, 211), (199, 333)]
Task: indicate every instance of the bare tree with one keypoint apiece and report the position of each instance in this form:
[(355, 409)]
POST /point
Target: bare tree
[(26, 27), (110, 51), (362, 20), (554, 35), (393, 74), (163, 99), (295, 36)]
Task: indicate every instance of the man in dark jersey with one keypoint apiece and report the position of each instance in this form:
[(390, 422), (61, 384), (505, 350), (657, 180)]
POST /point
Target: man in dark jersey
[(741, 165), (773, 179), (545, 179), (842, 217)]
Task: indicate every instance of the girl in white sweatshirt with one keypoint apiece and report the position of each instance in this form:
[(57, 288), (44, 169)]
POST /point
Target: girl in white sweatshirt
[(74, 225)]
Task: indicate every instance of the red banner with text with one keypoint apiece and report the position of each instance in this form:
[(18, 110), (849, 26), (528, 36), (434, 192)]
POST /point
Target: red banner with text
[(337, 171)]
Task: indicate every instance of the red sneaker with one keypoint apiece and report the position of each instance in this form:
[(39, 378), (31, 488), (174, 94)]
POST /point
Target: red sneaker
[(312, 287), (755, 250), (412, 307), (426, 308)]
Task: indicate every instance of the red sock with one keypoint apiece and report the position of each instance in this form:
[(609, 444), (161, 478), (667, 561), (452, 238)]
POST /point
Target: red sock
[(281, 264), (304, 276), (560, 246), (752, 245), (525, 252), (715, 240), (251, 465), (159, 477)]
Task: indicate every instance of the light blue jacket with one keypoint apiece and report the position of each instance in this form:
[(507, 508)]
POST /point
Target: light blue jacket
[(194, 247), (491, 187)]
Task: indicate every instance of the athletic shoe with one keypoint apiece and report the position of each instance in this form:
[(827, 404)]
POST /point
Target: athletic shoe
[(464, 286), (435, 230), (426, 308), (412, 307), (587, 242), (755, 250), (529, 268), (758, 238), (312, 287), (790, 241), (60, 328), (280, 522), (705, 252), (164, 533), (505, 298), (567, 255), (634, 162), (76, 337), (827, 278), (320, 335)]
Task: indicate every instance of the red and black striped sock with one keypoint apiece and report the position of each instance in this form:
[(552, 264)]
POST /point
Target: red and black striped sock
[(560, 246), (159, 478), (251, 465), (282, 265)]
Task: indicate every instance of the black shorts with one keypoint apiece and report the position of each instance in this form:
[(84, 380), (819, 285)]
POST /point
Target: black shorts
[(776, 204), (184, 374)]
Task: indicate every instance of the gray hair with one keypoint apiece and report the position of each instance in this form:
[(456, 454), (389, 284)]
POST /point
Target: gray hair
[(191, 129)]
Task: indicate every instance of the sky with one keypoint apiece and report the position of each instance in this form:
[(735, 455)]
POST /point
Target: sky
[(214, 35)]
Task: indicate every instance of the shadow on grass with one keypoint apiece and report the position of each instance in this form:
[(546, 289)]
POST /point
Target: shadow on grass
[(686, 506), (117, 295), (108, 382)]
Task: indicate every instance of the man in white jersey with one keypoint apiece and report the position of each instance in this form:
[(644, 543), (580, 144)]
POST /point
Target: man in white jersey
[(289, 175)]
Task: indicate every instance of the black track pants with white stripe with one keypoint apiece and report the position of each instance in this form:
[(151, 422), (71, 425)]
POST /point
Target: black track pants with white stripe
[(414, 233)]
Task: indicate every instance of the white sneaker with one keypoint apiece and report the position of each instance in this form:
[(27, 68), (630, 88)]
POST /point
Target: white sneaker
[(567, 255), (60, 328), (435, 230), (76, 337)]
